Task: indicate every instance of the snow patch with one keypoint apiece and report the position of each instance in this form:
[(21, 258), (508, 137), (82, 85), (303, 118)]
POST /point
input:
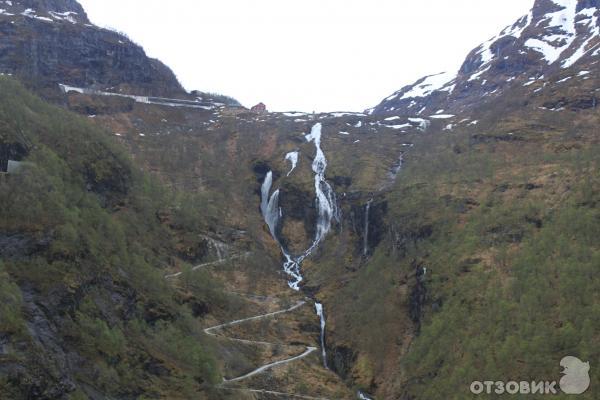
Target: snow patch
[(343, 114), (486, 52), (423, 123), (431, 84), (292, 157), (552, 46), (64, 16), (403, 126), (594, 28)]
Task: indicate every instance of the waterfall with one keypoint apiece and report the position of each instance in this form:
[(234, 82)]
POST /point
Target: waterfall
[(393, 173), (269, 206), (325, 202), (327, 209), (220, 248), (321, 314), (366, 232), (325, 196), (362, 396), (291, 267), (396, 168)]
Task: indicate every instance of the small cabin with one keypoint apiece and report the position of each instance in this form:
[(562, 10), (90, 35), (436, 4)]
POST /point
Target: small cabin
[(10, 157), (260, 108)]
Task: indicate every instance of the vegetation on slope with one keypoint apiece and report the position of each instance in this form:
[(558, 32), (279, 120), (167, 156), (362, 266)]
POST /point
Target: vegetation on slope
[(85, 311), (496, 236)]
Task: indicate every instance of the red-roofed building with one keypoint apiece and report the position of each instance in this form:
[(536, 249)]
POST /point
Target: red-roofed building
[(260, 108)]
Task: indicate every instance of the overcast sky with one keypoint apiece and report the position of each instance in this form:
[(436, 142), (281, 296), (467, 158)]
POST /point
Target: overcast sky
[(307, 55)]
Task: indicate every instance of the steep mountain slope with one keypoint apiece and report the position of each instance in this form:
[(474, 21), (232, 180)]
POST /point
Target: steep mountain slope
[(47, 42), (86, 312), (542, 47), (432, 249)]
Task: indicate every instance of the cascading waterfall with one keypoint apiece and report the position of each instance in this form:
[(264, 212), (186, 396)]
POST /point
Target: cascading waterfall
[(321, 314), (269, 206), (366, 232), (326, 204), (325, 199)]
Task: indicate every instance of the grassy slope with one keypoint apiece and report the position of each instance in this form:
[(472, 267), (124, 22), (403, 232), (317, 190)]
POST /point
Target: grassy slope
[(509, 234), (84, 305)]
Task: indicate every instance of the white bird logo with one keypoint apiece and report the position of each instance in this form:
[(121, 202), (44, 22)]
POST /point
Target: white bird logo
[(576, 379)]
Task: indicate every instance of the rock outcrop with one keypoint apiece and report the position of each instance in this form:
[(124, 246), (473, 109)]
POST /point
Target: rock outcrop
[(47, 42)]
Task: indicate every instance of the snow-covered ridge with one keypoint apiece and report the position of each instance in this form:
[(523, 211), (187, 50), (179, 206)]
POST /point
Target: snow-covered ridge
[(487, 54), (554, 33)]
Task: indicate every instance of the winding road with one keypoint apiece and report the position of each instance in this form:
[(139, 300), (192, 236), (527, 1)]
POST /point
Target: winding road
[(209, 264), (211, 331), (266, 367)]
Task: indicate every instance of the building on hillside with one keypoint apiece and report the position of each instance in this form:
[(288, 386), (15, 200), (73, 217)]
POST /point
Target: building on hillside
[(10, 166), (10, 157), (260, 108)]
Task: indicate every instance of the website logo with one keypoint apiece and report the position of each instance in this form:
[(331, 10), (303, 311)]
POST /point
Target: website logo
[(575, 380)]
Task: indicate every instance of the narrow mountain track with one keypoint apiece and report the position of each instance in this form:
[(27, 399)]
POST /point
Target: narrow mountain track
[(309, 349), (267, 367), (255, 318), (209, 264), (211, 331)]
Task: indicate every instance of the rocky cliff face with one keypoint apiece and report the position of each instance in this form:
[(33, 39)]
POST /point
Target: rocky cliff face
[(554, 36), (47, 42)]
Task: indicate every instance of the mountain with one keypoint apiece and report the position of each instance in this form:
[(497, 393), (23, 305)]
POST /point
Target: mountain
[(51, 42), (186, 247), (556, 38)]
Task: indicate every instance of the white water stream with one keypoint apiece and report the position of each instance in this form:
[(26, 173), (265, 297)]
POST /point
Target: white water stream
[(327, 210), (269, 206), (321, 314), (363, 396), (366, 232)]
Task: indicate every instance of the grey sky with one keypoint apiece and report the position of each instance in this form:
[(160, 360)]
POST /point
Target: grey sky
[(309, 55)]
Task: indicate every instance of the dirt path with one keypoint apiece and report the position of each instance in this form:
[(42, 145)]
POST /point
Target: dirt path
[(255, 318), (213, 331), (271, 365), (209, 264)]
